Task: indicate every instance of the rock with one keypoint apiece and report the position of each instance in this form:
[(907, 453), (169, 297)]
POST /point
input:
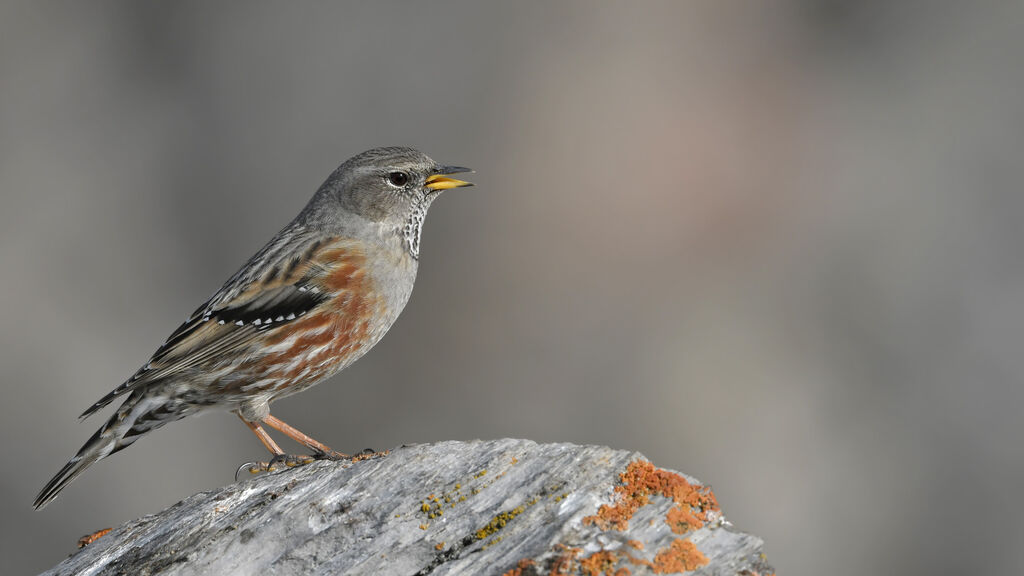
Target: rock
[(499, 507)]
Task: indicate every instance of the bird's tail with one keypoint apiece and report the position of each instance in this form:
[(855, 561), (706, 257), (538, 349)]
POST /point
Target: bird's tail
[(139, 414), (101, 445)]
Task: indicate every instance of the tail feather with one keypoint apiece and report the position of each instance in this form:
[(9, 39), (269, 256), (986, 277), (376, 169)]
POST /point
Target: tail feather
[(139, 414), (130, 385), (110, 397), (97, 448)]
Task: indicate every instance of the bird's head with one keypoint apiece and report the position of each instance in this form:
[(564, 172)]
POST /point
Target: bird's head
[(389, 187)]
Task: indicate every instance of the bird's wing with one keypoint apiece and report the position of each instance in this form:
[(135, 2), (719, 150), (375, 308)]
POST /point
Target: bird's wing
[(268, 293)]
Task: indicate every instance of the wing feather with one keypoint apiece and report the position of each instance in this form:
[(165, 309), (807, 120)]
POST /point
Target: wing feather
[(244, 309)]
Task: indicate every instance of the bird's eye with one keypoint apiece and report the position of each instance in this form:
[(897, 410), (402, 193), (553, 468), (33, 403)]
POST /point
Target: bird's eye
[(398, 179)]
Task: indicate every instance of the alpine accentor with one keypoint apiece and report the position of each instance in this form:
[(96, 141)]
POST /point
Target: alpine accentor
[(318, 296)]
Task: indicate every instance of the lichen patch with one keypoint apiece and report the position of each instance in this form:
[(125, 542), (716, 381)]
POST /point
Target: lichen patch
[(640, 481), (680, 556)]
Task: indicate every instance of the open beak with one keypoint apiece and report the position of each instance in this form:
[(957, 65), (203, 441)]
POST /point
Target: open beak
[(440, 181)]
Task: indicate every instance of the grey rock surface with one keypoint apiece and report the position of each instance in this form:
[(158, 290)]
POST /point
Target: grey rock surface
[(496, 507)]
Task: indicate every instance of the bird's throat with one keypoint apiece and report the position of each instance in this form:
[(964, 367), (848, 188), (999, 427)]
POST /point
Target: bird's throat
[(414, 227)]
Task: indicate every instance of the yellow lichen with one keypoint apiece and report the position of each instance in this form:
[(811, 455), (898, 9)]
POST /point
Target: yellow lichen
[(500, 520)]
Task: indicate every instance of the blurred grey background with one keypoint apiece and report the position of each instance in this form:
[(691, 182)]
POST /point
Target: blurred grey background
[(776, 245)]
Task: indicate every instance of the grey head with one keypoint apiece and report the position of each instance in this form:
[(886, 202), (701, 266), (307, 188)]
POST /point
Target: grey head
[(383, 190)]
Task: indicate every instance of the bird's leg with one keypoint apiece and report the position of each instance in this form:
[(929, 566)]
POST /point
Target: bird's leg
[(265, 438), (279, 455), (322, 450)]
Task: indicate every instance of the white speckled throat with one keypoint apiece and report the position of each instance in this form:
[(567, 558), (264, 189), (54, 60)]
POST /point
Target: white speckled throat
[(414, 225)]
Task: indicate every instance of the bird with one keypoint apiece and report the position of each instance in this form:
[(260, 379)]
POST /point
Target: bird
[(313, 300)]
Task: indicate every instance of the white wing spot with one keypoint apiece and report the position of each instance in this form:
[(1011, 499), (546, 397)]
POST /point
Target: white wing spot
[(257, 322), (290, 316), (239, 323), (302, 288), (221, 322), (279, 318)]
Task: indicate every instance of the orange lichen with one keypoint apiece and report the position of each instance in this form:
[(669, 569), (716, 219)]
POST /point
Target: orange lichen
[(640, 481), (682, 555), (682, 519), (90, 538), (693, 506), (599, 564), (639, 561), (520, 566), (565, 562)]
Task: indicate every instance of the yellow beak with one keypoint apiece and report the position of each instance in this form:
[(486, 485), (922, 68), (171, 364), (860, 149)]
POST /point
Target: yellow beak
[(442, 182)]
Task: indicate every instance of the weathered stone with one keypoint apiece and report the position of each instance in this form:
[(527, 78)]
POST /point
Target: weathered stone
[(497, 507)]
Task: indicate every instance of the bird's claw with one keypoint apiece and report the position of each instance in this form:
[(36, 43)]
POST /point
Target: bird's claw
[(369, 453), (364, 454), (330, 455), (250, 466), (291, 461), (275, 463)]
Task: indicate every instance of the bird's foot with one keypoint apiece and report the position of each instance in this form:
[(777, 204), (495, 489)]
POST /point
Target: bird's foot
[(330, 455), (365, 454), (291, 461), (276, 463), (368, 454)]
